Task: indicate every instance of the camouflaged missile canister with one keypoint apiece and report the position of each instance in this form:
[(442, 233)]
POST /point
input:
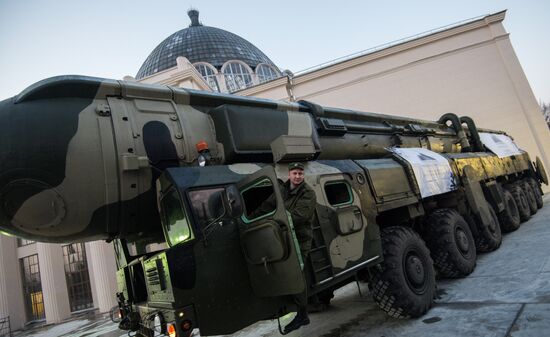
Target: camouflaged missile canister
[(79, 156), (91, 152)]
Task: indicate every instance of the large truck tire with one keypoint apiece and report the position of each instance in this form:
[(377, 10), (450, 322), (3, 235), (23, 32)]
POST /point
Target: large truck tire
[(451, 243), (487, 237), (538, 191), (509, 218), (403, 285), (530, 194), (521, 201)]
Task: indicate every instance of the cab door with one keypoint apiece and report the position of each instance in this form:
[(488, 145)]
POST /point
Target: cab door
[(267, 237)]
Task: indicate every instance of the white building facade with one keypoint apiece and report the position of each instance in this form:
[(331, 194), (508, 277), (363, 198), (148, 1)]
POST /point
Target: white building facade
[(43, 282)]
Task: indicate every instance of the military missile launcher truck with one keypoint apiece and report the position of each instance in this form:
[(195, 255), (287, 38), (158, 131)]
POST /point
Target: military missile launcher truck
[(174, 178)]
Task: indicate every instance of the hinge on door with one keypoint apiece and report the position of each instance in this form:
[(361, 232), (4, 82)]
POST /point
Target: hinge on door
[(103, 110), (264, 260)]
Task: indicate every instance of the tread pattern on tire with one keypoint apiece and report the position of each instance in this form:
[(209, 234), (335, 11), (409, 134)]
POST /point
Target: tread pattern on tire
[(495, 219), (485, 240), (388, 285), (530, 194), (521, 201), (538, 192), (509, 218), (440, 238)]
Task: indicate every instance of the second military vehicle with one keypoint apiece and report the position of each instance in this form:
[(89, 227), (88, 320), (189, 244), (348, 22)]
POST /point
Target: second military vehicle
[(173, 177)]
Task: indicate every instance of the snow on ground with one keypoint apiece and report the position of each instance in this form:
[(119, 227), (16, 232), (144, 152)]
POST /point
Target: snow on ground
[(59, 329)]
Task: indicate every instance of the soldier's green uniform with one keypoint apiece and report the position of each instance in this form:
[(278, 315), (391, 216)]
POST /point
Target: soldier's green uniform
[(300, 202)]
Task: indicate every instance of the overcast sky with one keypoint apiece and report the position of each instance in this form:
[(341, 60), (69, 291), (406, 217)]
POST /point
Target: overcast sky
[(111, 39)]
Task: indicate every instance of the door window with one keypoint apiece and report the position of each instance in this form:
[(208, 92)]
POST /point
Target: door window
[(338, 193), (208, 205), (259, 201)]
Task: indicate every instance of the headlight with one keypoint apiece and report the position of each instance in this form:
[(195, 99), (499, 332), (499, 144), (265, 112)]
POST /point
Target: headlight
[(158, 323), (202, 160)]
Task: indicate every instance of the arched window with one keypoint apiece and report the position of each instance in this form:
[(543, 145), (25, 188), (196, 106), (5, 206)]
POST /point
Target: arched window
[(266, 72), (237, 75), (208, 72)]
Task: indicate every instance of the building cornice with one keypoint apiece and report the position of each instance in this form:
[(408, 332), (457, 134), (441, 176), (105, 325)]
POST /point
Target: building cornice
[(251, 91), (185, 75), (482, 22)]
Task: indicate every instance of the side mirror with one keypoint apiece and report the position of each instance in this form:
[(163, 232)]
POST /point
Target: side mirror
[(234, 201)]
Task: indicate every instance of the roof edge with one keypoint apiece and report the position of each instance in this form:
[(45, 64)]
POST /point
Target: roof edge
[(474, 22)]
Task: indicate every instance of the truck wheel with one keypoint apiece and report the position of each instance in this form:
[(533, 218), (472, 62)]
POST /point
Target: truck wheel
[(486, 237), (530, 194), (509, 218), (538, 192), (521, 201), (451, 243), (403, 285)]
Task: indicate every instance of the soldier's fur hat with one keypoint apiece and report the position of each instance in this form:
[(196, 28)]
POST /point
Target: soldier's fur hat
[(293, 166)]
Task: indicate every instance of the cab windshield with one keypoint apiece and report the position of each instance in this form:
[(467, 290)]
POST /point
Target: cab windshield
[(175, 219), (208, 206)]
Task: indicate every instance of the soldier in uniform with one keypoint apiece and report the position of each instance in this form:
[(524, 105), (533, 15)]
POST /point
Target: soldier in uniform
[(300, 201)]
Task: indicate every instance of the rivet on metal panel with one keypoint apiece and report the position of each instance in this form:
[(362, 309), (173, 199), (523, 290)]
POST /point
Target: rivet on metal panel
[(174, 117), (179, 136)]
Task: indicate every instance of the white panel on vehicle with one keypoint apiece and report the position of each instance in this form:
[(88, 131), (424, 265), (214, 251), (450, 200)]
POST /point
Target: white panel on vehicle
[(432, 171), (501, 145)]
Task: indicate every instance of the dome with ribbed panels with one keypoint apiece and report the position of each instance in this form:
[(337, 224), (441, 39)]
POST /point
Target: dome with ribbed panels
[(200, 43)]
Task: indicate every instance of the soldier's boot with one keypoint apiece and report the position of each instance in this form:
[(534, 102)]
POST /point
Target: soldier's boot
[(300, 320)]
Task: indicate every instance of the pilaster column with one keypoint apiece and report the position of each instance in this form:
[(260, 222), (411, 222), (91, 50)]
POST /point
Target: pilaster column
[(102, 256), (54, 284), (5, 265), (11, 294)]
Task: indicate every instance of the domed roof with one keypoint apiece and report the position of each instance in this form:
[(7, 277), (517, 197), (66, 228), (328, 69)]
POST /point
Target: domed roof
[(200, 43)]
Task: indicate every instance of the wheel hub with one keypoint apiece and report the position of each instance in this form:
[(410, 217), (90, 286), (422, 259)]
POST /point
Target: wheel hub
[(415, 270), (462, 240)]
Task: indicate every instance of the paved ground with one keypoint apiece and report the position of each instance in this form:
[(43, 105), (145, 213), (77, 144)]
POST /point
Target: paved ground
[(508, 295)]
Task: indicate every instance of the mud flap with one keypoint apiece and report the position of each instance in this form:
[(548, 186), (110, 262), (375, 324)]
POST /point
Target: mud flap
[(495, 196), (541, 172), (475, 197)]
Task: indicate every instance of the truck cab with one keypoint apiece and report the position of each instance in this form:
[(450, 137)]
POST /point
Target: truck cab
[(223, 265)]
